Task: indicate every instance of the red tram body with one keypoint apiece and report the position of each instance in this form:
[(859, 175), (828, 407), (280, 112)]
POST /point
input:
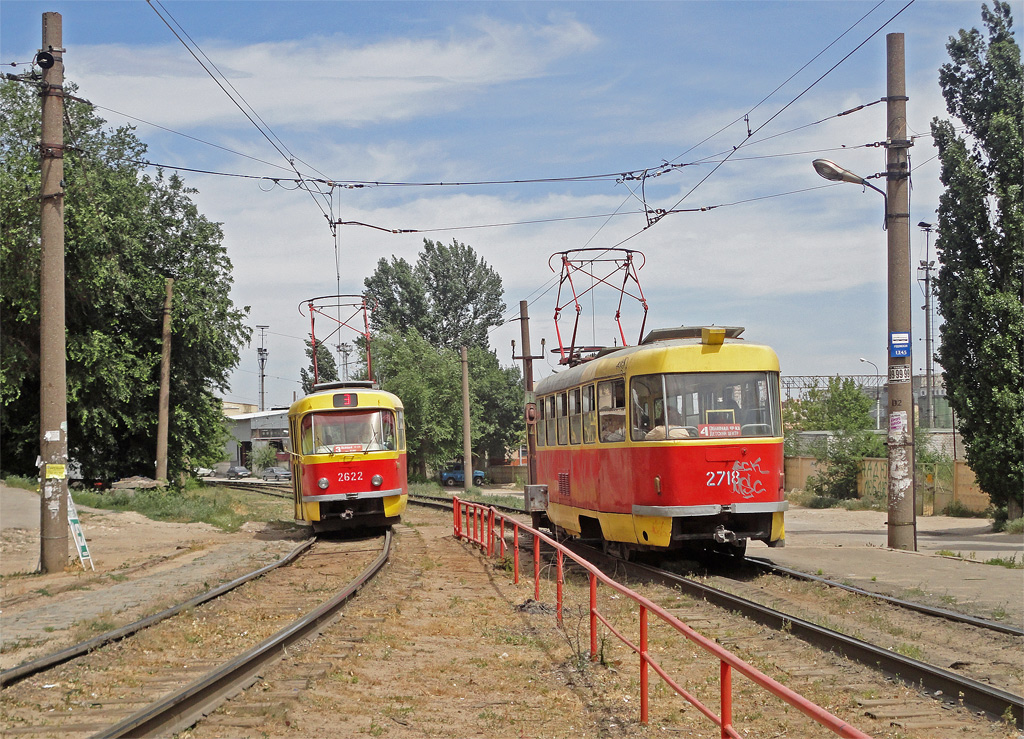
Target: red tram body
[(672, 443), (349, 460)]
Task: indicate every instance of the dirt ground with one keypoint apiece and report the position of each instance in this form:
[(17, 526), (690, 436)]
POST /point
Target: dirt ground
[(130, 551)]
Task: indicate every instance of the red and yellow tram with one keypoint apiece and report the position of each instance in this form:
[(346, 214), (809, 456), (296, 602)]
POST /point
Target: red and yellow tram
[(348, 459), (673, 443)]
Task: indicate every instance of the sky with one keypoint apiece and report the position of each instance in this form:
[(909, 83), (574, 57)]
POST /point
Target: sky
[(504, 92)]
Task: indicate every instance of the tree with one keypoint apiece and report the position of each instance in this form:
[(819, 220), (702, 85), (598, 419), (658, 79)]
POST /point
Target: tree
[(842, 409), (125, 232), (428, 379), (981, 251), (326, 367), (450, 297)]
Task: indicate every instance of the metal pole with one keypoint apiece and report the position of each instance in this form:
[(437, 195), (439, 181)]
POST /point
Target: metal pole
[(53, 411), (467, 445), (164, 408), (902, 533), (261, 358), (926, 267)]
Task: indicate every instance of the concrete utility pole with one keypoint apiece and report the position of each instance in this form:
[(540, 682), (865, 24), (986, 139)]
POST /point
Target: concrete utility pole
[(53, 395), (164, 413), (531, 405), (467, 442), (901, 494)]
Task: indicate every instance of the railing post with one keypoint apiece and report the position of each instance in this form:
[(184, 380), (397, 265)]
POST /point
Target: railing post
[(558, 598), (502, 526), (515, 551), (643, 664), (490, 532), (536, 568), (593, 617), (457, 512), (726, 682)]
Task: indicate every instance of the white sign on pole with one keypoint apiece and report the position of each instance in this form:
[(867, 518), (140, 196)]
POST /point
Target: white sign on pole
[(78, 534)]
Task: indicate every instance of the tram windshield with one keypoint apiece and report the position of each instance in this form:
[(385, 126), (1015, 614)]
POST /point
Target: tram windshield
[(705, 405), (348, 431)]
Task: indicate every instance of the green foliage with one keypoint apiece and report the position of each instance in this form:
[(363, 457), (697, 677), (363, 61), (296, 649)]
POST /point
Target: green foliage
[(263, 457), (981, 250), (450, 297), (422, 315), (428, 379), (222, 507), (326, 367), (842, 409), (125, 232)]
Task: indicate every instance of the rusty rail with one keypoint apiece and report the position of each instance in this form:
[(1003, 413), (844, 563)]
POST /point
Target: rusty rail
[(476, 523)]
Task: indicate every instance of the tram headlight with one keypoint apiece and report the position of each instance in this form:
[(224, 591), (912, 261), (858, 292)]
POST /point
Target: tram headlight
[(377, 481), (322, 483)]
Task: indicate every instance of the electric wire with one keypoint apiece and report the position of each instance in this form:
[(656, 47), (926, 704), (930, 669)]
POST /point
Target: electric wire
[(264, 129)]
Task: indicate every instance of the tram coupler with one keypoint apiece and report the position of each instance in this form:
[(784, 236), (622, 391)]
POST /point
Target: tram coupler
[(347, 514)]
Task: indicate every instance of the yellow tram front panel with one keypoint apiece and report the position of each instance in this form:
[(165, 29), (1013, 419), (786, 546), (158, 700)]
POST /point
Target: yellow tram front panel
[(350, 462)]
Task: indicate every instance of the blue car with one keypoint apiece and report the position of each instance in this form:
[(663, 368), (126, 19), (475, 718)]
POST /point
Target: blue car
[(452, 475)]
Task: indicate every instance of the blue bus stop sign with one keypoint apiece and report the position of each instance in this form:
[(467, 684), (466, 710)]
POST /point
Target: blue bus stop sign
[(899, 344)]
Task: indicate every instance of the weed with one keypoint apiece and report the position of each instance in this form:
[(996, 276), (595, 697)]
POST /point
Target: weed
[(25, 483), (117, 576), (959, 510), (999, 613), (43, 591), (1010, 564), (909, 650), (1016, 526)]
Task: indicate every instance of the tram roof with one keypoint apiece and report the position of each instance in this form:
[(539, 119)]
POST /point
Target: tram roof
[(365, 397), (664, 356)]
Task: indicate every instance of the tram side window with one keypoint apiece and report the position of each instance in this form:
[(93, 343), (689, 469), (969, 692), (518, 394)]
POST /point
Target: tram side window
[(589, 411), (540, 428), (401, 430), (575, 416), (563, 419), (549, 419), (611, 410)]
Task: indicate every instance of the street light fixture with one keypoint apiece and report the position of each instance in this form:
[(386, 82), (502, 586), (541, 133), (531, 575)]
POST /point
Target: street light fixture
[(878, 410), (831, 171)]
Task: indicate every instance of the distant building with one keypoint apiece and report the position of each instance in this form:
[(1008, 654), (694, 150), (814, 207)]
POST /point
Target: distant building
[(250, 431), (232, 409)]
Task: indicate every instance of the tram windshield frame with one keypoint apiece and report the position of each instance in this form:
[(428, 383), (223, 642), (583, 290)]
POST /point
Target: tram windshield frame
[(350, 431), (705, 405)]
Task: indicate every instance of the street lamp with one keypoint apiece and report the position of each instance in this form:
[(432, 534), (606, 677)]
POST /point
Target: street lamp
[(878, 410), (902, 522), (831, 171), (926, 268)]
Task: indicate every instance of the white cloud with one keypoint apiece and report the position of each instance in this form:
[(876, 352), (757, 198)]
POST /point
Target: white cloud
[(326, 79)]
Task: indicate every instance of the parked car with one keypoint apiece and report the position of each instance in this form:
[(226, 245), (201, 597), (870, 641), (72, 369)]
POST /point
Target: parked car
[(452, 475), (277, 473), (204, 472), (234, 473)]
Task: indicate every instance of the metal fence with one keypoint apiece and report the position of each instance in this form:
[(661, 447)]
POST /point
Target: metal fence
[(488, 529)]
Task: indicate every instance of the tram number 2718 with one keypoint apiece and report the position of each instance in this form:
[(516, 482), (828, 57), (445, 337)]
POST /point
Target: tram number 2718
[(723, 477)]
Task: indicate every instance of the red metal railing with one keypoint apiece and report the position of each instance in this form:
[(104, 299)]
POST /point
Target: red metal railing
[(476, 523)]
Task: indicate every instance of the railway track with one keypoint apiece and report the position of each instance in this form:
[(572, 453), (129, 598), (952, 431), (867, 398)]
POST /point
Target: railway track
[(982, 676), (170, 674), (968, 661)]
